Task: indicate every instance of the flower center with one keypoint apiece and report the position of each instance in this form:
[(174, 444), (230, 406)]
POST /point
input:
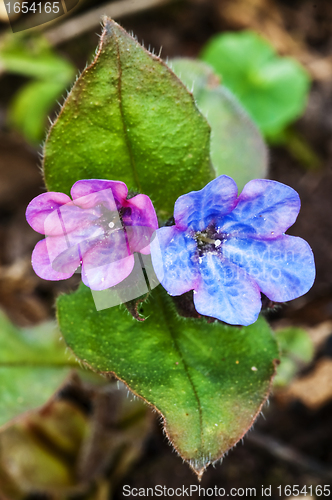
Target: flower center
[(209, 240), (113, 220)]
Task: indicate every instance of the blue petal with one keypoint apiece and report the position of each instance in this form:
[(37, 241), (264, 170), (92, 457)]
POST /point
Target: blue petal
[(226, 292), (173, 254), (198, 209), (284, 268), (265, 209)]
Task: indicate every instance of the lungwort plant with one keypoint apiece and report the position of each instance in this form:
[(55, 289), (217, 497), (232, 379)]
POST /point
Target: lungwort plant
[(152, 203)]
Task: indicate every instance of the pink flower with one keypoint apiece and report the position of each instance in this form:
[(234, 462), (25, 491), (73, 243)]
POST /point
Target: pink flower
[(99, 229)]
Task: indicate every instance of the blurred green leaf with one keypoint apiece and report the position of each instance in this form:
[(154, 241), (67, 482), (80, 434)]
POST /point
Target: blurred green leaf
[(286, 371), (32, 56), (237, 147), (298, 147), (296, 342), (33, 364), (28, 458), (31, 105), (296, 349), (84, 434), (129, 118), (208, 380), (273, 89)]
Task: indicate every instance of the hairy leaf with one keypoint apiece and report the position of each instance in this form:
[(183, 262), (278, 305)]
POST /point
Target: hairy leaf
[(129, 118), (208, 380)]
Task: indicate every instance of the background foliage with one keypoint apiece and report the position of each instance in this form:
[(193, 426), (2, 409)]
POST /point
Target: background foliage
[(299, 415)]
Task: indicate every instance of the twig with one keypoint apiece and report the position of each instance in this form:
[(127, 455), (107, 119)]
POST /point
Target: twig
[(91, 19), (289, 455)]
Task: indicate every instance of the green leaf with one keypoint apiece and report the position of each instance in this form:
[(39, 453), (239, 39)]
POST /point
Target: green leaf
[(296, 342), (273, 89), (208, 380), (286, 371), (32, 56), (38, 451), (237, 147), (296, 349), (298, 147), (33, 364), (31, 105), (129, 118), (84, 433)]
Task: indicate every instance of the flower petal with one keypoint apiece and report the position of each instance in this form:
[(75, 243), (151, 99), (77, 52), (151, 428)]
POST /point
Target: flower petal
[(284, 268), (198, 209), (106, 260), (139, 238), (142, 212), (43, 265), (70, 219), (226, 292), (42, 206), (91, 192), (108, 274), (140, 220), (265, 209), (132, 287), (173, 254)]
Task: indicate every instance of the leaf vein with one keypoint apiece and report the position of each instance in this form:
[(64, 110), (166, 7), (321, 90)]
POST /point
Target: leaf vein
[(125, 132), (186, 369)]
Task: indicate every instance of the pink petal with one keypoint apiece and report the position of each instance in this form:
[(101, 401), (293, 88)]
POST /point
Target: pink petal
[(42, 263), (69, 218), (109, 274), (106, 260), (92, 192), (142, 213), (41, 207), (139, 238)]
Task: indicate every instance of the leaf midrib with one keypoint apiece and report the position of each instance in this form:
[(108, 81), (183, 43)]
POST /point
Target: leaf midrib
[(185, 366), (126, 137)]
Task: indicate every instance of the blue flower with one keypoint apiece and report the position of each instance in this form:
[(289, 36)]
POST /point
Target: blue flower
[(230, 249)]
